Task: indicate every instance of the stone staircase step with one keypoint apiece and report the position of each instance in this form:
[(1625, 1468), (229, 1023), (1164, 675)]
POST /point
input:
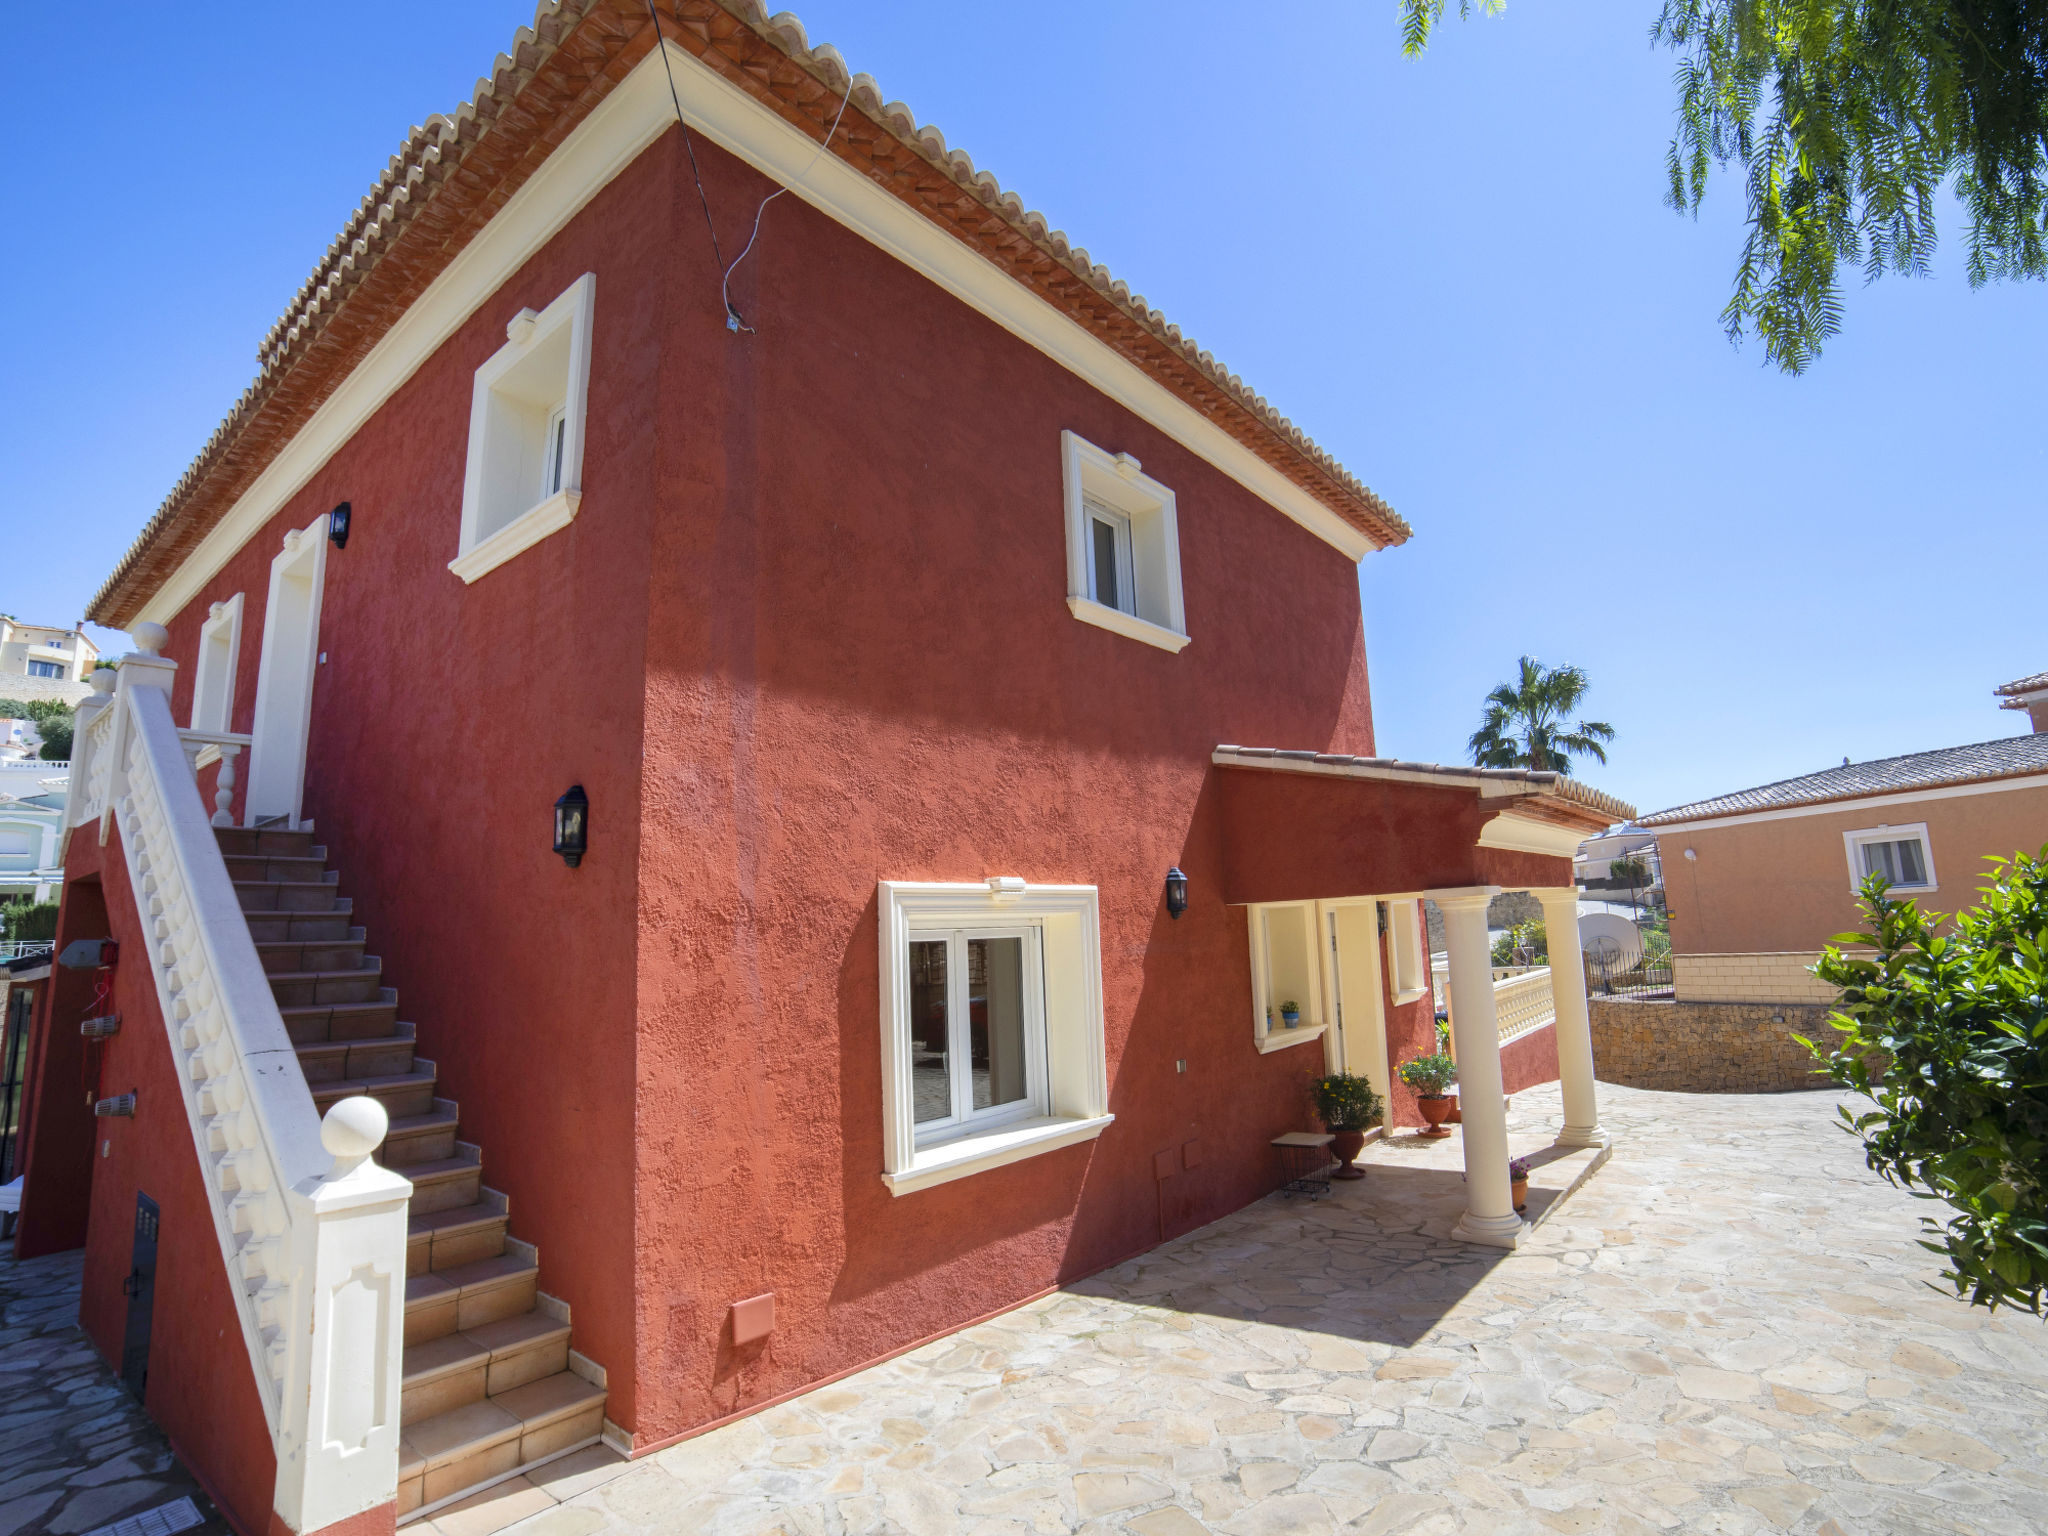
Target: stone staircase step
[(443, 1455), (428, 1137), (246, 842), (311, 1023), (352, 984), (300, 927), (273, 868), (445, 1185), (468, 1296), (523, 1349), (294, 955), (287, 896), (462, 1234), (440, 1375), (401, 1093)]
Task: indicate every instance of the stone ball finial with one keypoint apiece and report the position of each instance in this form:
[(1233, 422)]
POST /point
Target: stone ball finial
[(150, 639), (352, 1130), (102, 681)]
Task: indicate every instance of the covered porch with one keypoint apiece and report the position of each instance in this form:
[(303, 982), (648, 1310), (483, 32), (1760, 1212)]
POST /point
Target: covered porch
[(1333, 856)]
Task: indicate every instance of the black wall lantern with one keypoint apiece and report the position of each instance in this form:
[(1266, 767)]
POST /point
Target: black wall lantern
[(337, 526), (572, 825), (1176, 892)]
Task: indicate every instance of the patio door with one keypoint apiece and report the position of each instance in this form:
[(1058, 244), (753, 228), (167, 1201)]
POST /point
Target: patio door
[(1351, 964), (284, 680)]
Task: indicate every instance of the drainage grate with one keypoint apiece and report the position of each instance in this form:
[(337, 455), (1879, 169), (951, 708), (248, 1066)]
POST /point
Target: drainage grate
[(164, 1520)]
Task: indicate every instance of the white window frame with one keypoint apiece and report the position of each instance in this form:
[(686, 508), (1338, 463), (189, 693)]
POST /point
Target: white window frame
[(214, 671), (1074, 1060), (1407, 953), (1118, 483), (959, 1027), (1308, 962), (1853, 842), (489, 538)]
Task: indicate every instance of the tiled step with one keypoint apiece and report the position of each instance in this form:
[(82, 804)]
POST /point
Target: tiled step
[(314, 1022), (402, 1093), (423, 1138), (245, 842), (447, 1239), (302, 927), (460, 1368), (290, 956), (357, 983), (287, 896), (479, 1441), (260, 867), (444, 1185), (328, 1061), (469, 1295)]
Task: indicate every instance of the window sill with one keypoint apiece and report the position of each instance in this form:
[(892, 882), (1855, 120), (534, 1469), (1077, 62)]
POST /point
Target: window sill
[(519, 535), (957, 1159), (1409, 995), (1280, 1039), (1088, 611)]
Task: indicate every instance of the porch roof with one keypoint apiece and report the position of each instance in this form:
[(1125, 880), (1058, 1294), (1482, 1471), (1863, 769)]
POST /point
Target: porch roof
[(1301, 825)]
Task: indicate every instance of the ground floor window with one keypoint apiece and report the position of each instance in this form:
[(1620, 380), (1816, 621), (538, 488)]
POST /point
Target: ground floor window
[(1899, 854), (992, 1034), (45, 669)]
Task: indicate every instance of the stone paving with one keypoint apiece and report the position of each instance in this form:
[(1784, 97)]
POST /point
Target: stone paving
[(76, 1451), (1727, 1329)]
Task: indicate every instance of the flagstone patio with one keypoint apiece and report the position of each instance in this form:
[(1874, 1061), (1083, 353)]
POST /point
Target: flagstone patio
[(1726, 1328)]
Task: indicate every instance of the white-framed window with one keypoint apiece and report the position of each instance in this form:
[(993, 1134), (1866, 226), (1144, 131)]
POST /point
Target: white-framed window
[(213, 680), (1123, 546), (1407, 953), (1286, 968), (524, 475), (46, 669), (991, 1022), (1903, 855)]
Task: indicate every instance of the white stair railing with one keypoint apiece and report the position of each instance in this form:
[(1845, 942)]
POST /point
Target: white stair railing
[(311, 1231), (1522, 998)]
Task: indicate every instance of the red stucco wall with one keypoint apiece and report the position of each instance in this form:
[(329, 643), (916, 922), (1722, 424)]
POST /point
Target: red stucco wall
[(202, 1389), (55, 1147), (1529, 1059)]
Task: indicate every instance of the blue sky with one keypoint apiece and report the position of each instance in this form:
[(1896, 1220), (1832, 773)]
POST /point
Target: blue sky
[(1456, 273)]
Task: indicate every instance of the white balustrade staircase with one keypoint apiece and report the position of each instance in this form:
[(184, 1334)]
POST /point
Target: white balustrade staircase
[(491, 1385)]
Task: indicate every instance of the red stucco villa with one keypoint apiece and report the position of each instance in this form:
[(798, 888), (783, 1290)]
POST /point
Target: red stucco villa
[(689, 755)]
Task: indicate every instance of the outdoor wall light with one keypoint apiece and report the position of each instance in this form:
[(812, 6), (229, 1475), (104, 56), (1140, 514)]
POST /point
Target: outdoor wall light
[(1176, 892), (337, 526), (572, 825)]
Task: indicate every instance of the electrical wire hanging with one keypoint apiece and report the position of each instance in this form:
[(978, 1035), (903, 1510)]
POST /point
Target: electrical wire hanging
[(733, 319)]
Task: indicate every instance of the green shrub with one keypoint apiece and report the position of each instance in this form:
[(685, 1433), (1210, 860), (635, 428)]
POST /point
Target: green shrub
[(1524, 944), (23, 918), (1347, 1103), (1948, 1035)]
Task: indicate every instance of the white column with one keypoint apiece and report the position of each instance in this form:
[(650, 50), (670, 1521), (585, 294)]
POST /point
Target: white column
[(1574, 1027), (1489, 1202)]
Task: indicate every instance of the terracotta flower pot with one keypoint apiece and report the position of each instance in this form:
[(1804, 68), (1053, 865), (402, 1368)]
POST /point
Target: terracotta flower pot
[(1344, 1146), (1436, 1108), (1519, 1191)]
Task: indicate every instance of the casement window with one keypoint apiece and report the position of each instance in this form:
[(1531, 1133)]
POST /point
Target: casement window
[(1407, 953), (1123, 546), (1900, 854), (1286, 968), (524, 475), (213, 683), (46, 669), (991, 1024)]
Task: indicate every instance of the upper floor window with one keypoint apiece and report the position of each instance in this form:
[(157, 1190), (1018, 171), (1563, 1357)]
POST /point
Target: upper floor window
[(46, 669), (1900, 854), (524, 476), (1123, 546), (220, 650)]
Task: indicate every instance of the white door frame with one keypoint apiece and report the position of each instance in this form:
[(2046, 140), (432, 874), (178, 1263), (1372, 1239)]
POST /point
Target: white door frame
[(284, 679), (1357, 1039)]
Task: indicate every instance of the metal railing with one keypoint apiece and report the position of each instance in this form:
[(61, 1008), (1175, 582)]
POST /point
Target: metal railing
[(1628, 975), (16, 949)]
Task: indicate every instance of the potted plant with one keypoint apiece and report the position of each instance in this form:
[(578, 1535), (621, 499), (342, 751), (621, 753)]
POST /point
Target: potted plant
[(1429, 1076), (1290, 1014), (1348, 1106), (1518, 1182)]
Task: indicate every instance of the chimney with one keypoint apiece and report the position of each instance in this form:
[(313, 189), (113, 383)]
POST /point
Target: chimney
[(2029, 694)]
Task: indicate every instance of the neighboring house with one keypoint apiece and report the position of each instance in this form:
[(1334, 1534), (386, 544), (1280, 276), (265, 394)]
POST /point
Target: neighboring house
[(38, 661), (869, 652), (2029, 694), (1758, 881), (32, 799), (1593, 868)]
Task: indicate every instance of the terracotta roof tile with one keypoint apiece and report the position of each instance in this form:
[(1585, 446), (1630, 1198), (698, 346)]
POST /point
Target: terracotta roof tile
[(454, 171), (2010, 692), (2007, 757)]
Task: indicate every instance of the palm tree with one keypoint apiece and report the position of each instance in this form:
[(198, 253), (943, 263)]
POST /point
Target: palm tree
[(1526, 724)]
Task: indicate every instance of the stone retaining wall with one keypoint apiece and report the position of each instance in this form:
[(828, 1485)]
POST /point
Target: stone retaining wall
[(1707, 1047)]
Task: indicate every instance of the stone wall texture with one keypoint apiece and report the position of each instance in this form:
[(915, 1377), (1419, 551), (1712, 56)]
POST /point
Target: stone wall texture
[(1707, 1047), (1760, 977)]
